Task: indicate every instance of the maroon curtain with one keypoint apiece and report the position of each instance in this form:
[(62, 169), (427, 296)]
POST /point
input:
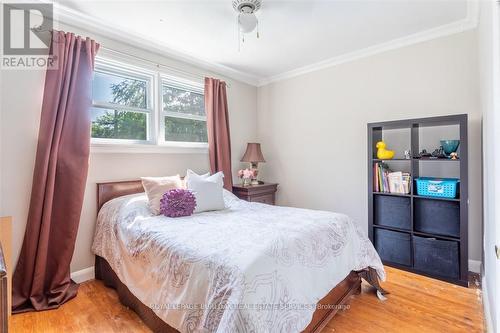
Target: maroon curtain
[(42, 277), (219, 142)]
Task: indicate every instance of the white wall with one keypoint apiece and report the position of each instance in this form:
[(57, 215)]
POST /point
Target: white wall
[(20, 101), (20, 114), (489, 73), (313, 127)]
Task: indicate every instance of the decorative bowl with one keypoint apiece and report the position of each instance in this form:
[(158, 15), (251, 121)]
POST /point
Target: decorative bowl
[(450, 146)]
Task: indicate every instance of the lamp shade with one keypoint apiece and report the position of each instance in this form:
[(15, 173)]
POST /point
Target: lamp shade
[(253, 153)]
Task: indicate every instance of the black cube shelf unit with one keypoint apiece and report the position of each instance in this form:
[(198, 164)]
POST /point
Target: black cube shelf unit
[(424, 235)]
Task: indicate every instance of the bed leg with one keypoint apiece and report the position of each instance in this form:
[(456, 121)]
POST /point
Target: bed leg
[(97, 268), (370, 276)]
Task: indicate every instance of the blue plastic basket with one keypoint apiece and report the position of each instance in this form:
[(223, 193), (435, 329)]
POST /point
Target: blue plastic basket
[(437, 187)]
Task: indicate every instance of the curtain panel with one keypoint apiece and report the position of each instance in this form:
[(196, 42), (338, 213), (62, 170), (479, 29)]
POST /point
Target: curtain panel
[(219, 139), (41, 280)]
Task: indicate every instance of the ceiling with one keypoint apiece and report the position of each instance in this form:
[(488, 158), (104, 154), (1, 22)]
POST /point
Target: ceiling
[(293, 34)]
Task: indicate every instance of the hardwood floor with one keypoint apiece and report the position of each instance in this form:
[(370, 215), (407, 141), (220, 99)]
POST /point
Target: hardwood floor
[(415, 304)]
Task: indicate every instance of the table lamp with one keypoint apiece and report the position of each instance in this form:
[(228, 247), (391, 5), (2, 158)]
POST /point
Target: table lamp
[(253, 155)]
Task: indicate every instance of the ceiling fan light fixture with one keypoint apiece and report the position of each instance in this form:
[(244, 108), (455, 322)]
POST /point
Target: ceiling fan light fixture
[(247, 22)]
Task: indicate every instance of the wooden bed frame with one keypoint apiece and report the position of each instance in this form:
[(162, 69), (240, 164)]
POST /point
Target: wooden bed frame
[(327, 306)]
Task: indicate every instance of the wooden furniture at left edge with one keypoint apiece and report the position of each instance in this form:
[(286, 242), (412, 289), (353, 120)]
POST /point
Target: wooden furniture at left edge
[(327, 306), (5, 272), (3, 293)]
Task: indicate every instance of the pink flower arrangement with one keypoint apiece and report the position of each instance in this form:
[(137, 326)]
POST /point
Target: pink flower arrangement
[(247, 173)]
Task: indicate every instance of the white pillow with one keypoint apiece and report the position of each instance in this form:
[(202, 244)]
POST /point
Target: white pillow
[(207, 191), (191, 172), (229, 198), (156, 187)]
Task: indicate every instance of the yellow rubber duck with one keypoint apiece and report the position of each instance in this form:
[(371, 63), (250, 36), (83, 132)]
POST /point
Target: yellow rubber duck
[(382, 153)]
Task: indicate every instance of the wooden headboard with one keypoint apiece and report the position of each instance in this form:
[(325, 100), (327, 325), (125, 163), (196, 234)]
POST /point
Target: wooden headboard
[(110, 190)]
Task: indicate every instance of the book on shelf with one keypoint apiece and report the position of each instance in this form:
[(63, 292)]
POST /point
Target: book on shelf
[(387, 181)]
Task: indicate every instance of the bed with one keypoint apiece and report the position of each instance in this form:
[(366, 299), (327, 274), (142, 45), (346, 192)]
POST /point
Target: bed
[(248, 268)]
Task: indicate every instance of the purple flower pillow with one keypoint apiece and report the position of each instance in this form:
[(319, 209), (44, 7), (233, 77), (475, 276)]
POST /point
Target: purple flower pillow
[(177, 202)]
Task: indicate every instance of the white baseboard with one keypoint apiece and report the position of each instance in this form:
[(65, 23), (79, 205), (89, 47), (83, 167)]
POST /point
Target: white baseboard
[(486, 307), (83, 275), (474, 266)]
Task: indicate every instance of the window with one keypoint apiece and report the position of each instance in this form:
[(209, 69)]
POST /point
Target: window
[(122, 105), (183, 112), (124, 110)]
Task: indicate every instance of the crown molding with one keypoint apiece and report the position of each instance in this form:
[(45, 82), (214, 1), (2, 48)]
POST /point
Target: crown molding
[(467, 23), (80, 20)]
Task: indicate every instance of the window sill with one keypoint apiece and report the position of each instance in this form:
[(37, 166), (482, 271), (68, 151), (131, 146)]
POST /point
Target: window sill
[(169, 148)]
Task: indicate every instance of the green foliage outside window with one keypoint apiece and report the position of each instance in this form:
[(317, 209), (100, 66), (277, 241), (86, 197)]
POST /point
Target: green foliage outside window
[(183, 101), (116, 124), (186, 130), (119, 124)]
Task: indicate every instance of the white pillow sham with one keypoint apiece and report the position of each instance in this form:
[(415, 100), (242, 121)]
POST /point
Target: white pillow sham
[(155, 187), (207, 190), (188, 172)]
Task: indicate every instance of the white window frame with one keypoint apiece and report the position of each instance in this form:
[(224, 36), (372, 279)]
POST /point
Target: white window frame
[(155, 142), (122, 70), (187, 85)]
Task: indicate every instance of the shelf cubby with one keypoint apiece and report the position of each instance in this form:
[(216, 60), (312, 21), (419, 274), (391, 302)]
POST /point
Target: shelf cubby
[(422, 234), (392, 211), (394, 246), (437, 217)]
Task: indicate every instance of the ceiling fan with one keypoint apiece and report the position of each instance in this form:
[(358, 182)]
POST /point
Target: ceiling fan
[(247, 20)]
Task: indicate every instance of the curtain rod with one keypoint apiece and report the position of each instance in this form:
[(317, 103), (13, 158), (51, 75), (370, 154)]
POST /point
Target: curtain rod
[(159, 65)]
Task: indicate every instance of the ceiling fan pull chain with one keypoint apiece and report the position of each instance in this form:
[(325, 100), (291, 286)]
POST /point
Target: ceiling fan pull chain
[(239, 33)]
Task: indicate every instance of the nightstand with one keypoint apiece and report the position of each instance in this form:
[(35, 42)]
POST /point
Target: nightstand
[(264, 193)]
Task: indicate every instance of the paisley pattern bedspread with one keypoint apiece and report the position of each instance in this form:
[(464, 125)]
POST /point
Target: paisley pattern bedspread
[(248, 268)]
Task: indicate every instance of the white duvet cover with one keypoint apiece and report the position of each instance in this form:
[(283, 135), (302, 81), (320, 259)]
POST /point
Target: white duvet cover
[(248, 268)]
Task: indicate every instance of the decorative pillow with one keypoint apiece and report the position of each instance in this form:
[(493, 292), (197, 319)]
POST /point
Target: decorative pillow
[(155, 187), (191, 172), (229, 198), (207, 190), (177, 202)]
